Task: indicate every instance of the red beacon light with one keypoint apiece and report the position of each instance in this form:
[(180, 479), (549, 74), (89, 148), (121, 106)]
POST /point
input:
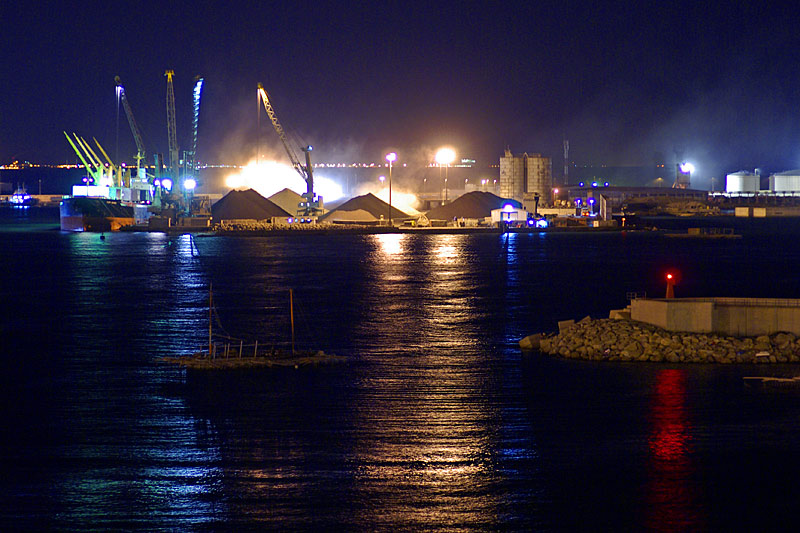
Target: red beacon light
[(670, 286)]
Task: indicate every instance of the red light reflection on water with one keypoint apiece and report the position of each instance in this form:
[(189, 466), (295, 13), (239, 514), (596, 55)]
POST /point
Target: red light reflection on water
[(671, 491)]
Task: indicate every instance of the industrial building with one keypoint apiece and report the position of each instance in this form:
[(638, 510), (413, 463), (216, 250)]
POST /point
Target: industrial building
[(526, 177)]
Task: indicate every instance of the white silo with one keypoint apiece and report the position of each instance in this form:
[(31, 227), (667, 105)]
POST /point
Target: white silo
[(788, 181), (742, 181)]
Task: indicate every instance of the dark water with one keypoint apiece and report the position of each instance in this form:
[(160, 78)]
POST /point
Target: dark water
[(436, 422)]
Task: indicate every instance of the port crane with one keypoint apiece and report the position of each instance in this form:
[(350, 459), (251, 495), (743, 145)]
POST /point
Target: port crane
[(137, 134), (310, 206), (172, 130)]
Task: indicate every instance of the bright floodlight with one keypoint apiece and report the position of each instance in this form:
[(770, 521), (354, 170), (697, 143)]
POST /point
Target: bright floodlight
[(445, 156), (391, 157), (167, 184), (508, 208), (189, 184), (381, 178), (687, 168)]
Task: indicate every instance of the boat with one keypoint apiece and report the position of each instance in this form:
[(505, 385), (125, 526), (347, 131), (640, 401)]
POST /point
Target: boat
[(772, 383), (21, 198), (85, 213)]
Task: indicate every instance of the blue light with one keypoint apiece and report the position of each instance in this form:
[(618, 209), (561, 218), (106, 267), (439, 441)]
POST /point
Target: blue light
[(605, 184), (541, 223), (594, 184), (580, 184), (531, 222), (508, 208), (591, 201), (290, 220), (578, 201)]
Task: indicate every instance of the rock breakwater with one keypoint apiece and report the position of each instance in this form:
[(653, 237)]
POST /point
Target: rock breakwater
[(628, 340)]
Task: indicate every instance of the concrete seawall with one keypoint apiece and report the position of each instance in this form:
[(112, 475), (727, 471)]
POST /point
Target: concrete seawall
[(737, 317), (629, 340)]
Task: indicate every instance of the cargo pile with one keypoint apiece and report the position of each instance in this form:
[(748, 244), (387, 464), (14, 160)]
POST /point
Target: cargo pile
[(246, 205), (473, 205), (355, 209)]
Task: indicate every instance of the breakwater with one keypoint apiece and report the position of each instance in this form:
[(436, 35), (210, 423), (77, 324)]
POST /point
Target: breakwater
[(628, 340)]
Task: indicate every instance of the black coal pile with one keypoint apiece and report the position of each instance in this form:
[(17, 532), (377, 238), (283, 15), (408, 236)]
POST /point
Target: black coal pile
[(245, 205), (476, 204), (369, 203)]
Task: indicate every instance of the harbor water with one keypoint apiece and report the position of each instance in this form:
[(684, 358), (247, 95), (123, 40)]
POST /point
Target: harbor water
[(436, 421)]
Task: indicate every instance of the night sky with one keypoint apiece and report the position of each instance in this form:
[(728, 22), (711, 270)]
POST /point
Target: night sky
[(624, 82)]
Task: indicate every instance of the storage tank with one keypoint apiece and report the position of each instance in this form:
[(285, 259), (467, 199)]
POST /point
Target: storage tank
[(742, 181), (788, 181)]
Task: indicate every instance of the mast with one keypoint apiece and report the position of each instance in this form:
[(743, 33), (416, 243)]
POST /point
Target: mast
[(210, 304), (291, 315)]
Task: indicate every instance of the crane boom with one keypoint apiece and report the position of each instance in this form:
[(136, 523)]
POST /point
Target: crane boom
[(310, 206), (137, 134), (172, 131), (262, 94), (196, 93), (94, 169)]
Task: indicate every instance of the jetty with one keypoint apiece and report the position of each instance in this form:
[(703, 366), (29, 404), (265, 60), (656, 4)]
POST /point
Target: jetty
[(682, 330)]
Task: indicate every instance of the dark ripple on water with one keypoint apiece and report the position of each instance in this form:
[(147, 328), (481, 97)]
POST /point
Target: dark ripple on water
[(436, 422)]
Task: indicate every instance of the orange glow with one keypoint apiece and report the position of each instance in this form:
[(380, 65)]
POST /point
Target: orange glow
[(669, 276)]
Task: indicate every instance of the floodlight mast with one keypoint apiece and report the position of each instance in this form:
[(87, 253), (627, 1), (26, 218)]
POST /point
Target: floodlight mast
[(310, 206), (196, 94)]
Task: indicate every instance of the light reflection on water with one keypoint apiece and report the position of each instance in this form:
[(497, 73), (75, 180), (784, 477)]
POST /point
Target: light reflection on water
[(436, 422)]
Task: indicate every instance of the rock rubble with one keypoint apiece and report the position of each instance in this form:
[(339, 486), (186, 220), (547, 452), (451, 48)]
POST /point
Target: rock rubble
[(628, 340)]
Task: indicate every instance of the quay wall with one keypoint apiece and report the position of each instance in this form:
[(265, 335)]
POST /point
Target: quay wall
[(737, 317)]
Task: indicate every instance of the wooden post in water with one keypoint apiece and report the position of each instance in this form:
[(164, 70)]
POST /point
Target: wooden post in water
[(210, 303), (255, 349), (291, 315), (241, 343)]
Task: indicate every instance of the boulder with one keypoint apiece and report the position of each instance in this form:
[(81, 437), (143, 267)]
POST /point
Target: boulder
[(531, 342), (565, 325)]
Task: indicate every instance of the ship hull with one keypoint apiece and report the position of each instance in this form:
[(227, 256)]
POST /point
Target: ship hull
[(94, 214)]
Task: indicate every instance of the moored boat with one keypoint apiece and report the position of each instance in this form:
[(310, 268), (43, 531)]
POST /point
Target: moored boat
[(84, 213)]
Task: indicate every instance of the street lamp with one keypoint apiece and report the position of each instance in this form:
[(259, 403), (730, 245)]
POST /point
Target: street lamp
[(391, 157), (445, 156)]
